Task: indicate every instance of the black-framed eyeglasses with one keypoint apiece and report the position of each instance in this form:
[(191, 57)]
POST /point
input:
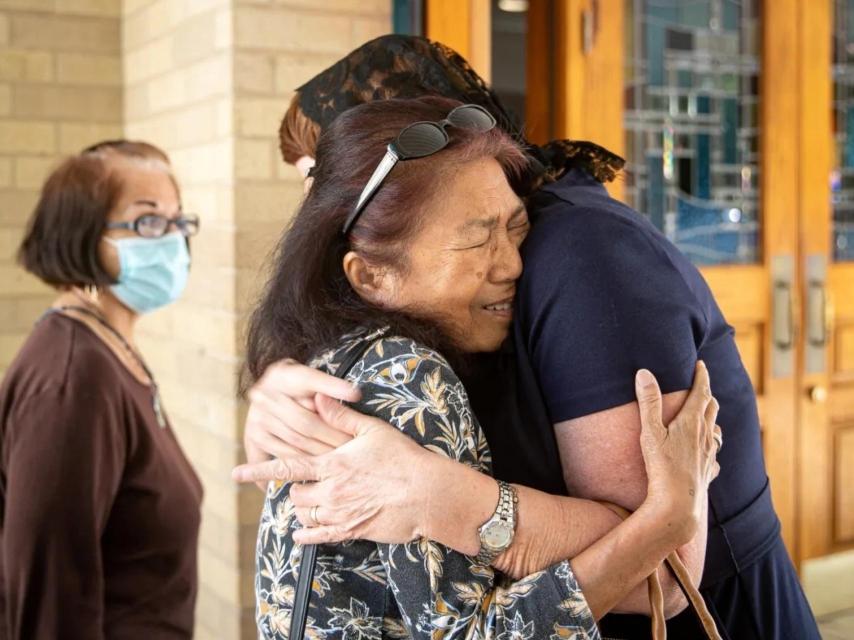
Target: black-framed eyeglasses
[(156, 225), (419, 140)]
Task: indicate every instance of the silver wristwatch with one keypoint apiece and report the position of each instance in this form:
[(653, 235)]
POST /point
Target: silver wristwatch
[(496, 534)]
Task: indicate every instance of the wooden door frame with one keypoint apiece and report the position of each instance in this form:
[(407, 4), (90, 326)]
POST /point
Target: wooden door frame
[(465, 26), (588, 77)]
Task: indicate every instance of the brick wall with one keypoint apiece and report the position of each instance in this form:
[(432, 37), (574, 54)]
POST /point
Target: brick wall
[(208, 81), (60, 89)]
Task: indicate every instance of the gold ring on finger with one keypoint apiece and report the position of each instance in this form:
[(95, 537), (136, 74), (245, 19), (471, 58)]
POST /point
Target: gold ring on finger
[(312, 515)]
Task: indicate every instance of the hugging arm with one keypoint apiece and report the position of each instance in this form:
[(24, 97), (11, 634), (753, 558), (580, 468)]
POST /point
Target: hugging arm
[(383, 487)]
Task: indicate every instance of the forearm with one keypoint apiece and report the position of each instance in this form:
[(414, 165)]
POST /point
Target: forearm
[(611, 558), (548, 529), (612, 571)]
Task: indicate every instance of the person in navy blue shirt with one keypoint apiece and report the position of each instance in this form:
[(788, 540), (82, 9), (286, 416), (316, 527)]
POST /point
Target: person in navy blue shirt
[(603, 294)]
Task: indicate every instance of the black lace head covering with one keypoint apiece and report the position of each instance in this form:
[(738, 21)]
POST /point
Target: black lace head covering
[(401, 66)]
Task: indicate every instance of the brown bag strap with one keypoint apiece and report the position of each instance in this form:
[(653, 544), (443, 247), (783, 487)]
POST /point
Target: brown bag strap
[(656, 597)]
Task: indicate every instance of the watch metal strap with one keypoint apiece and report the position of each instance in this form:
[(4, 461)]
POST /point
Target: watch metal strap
[(505, 511)]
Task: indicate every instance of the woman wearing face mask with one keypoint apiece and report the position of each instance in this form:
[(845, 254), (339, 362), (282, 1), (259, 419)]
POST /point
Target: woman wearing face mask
[(103, 545)]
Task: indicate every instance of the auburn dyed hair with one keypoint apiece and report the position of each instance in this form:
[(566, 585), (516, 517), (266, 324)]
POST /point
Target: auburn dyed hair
[(298, 134)]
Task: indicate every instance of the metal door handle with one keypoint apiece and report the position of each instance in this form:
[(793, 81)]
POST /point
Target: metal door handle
[(784, 316), (816, 314)]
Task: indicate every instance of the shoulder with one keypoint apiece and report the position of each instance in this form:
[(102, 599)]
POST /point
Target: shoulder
[(396, 362), (414, 388), (594, 227), (59, 352)]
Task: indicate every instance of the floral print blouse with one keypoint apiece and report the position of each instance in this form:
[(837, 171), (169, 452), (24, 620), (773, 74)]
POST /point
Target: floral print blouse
[(421, 589)]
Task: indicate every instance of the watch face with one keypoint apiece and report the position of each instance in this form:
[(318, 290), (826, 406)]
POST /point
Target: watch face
[(497, 535)]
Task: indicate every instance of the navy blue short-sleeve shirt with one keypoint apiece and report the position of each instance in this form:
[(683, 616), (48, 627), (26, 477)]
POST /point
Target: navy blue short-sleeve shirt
[(603, 294)]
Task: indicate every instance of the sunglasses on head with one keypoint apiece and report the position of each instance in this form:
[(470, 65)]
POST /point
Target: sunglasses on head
[(419, 140)]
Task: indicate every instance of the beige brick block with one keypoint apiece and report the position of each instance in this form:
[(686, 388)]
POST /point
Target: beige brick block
[(195, 39), (147, 61), (214, 208), (75, 136), (224, 117), (292, 71), (287, 172), (220, 491), (255, 242), (219, 537), (258, 203), (212, 287), (29, 66), (165, 92), (276, 29), (27, 136), (192, 7), (6, 172), (16, 207), (65, 33), (16, 281), (254, 159), (213, 249), (365, 29), (102, 8), (259, 116), (4, 29), (209, 77), (248, 538), (31, 172), (17, 314), (87, 69), (5, 100), (253, 72), (219, 372), (210, 328), (215, 414), (28, 5), (337, 6), (249, 285), (224, 29), (102, 104), (221, 578), (136, 102), (199, 163), (131, 7)]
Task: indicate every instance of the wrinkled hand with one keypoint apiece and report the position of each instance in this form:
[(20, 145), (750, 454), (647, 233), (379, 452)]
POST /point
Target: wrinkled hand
[(282, 421), (679, 458), (369, 488)]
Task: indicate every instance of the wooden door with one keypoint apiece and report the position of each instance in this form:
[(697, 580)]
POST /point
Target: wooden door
[(826, 389), (600, 89)]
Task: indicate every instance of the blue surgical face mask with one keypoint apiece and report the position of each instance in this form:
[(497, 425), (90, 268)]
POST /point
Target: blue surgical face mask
[(152, 271)]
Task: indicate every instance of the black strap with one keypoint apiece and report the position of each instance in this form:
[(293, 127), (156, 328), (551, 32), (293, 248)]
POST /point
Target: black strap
[(308, 558)]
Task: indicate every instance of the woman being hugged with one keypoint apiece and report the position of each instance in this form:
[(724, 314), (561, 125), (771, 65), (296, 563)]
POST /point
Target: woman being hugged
[(100, 508), (408, 261)]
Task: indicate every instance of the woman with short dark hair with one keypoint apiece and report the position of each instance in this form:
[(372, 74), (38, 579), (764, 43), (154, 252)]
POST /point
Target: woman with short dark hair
[(103, 544)]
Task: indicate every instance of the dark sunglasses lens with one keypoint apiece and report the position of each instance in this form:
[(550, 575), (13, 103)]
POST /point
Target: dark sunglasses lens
[(471, 117), (421, 139)]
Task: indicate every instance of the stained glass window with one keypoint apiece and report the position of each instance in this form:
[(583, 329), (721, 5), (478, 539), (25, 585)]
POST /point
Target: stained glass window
[(692, 123)]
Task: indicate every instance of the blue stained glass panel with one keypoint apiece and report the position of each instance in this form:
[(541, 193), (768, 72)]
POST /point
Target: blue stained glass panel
[(691, 105)]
